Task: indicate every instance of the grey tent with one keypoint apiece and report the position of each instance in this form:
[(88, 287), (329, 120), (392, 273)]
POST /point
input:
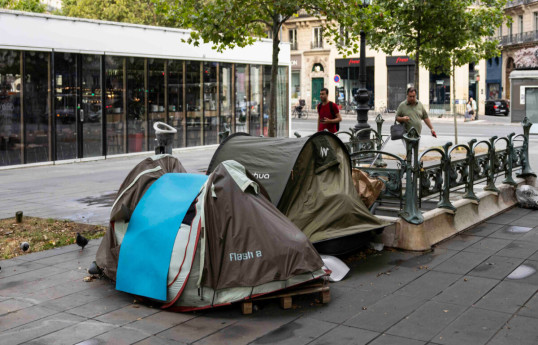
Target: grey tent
[(309, 180), (190, 241)]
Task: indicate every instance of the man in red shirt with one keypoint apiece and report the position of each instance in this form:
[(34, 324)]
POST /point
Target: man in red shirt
[(327, 118)]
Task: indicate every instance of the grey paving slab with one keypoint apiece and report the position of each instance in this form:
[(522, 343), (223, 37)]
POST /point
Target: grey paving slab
[(387, 339), (519, 330), (428, 260), (507, 297), (196, 329), (496, 267), (466, 290), (345, 335), (531, 273), (428, 320), (534, 257), (530, 220), (488, 245), (428, 285), (11, 305), (530, 308), (16, 268), (473, 327), (74, 334), (127, 314), (301, 331), (459, 242), (39, 328), (506, 218), (518, 249), (117, 336), (386, 278), (153, 340), (80, 298), (511, 232), (462, 262), (100, 307), (385, 313), (160, 321), (24, 316), (531, 236)]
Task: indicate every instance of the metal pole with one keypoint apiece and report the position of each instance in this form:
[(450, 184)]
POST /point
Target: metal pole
[(362, 96)]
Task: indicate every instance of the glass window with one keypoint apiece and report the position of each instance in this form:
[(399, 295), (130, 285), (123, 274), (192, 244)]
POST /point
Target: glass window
[(136, 110), (10, 108), (114, 104), (210, 103), (155, 97), (535, 21), (317, 39), (255, 99), (241, 98), (176, 113), (225, 79), (296, 85), (65, 104), (91, 106), (282, 107), (520, 21), (293, 38), (193, 84), (36, 106), (266, 98)]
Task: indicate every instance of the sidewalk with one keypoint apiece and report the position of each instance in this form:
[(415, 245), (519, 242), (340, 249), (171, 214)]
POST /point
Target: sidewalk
[(460, 293)]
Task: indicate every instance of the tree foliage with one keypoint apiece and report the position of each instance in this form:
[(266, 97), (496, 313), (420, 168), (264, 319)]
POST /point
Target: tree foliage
[(23, 5)]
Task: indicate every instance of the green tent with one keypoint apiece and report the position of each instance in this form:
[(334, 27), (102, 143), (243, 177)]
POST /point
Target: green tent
[(309, 180)]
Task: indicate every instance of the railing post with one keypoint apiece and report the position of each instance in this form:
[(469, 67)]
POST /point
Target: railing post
[(411, 212), (447, 167), (471, 164), (525, 163), (379, 161), (491, 174), (510, 154)]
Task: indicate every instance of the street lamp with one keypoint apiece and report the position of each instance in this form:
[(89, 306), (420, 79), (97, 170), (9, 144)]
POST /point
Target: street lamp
[(362, 96)]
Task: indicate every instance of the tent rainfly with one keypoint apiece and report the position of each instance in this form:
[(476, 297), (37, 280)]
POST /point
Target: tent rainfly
[(193, 241), (309, 180)]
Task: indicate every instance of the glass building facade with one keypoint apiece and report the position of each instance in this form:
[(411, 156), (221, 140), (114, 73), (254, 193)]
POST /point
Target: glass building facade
[(56, 106)]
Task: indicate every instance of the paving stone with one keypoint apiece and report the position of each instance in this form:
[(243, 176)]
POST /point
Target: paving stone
[(11, 305), (506, 297), (466, 291), (344, 335), (496, 267), (160, 321), (80, 298), (158, 341), (462, 262), (531, 236), (534, 257), (117, 336), (459, 242), (74, 334), (17, 269), (428, 260), (100, 307), (518, 249), (386, 339), (527, 221), (510, 232), (24, 316), (298, 332), (127, 314), (473, 327), (196, 329), (484, 229), (488, 245), (61, 290), (532, 278), (385, 313), (39, 328), (387, 279), (530, 308), (519, 330), (505, 218), (428, 320), (428, 285)]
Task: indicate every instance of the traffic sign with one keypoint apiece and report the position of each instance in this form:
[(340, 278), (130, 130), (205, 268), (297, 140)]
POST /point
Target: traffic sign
[(336, 78)]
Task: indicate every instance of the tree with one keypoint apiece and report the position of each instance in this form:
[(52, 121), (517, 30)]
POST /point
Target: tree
[(428, 30), (23, 5), (127, 11), (231, 23)]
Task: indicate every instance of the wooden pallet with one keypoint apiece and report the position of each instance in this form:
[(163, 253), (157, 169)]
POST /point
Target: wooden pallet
[(318, 287)]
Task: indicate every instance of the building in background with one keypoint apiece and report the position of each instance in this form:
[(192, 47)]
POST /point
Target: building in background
[(316, 63), (77, 88)]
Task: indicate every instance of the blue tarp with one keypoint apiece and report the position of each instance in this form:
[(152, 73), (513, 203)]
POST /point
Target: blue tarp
[(147, 246)]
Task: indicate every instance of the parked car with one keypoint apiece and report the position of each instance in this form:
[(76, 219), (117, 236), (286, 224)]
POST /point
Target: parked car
[(497, 107)]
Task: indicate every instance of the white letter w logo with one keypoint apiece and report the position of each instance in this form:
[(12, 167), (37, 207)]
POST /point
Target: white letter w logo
[(324, 151)]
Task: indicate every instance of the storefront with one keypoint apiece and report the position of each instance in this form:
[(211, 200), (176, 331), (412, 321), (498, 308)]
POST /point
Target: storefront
[(348, 70), (494, 78), (400, 76), (439, 93), (96, 96), (295, 85)]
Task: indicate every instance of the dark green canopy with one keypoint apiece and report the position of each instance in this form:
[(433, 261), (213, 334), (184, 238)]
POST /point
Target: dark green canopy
[(308, 179)]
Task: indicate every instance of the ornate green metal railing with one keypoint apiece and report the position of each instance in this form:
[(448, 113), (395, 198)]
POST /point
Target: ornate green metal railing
[(425, 181)]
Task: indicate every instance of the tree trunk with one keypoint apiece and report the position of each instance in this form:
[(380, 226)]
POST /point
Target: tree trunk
[(452, 102), (417, 69), (274, 73)]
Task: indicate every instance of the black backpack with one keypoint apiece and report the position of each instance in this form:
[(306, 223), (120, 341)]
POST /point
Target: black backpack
[(332, 113)]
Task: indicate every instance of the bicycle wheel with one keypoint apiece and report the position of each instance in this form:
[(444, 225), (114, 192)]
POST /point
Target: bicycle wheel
[(294, 113), (304, 114)]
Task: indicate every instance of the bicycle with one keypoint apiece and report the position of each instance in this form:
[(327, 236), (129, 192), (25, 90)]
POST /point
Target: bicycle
[(299, 112)]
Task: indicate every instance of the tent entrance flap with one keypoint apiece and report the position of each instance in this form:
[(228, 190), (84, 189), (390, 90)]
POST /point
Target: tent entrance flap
[(146, 249)]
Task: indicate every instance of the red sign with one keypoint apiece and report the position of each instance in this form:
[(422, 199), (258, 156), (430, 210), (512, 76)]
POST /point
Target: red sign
[(354, 62), (402, 60)]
